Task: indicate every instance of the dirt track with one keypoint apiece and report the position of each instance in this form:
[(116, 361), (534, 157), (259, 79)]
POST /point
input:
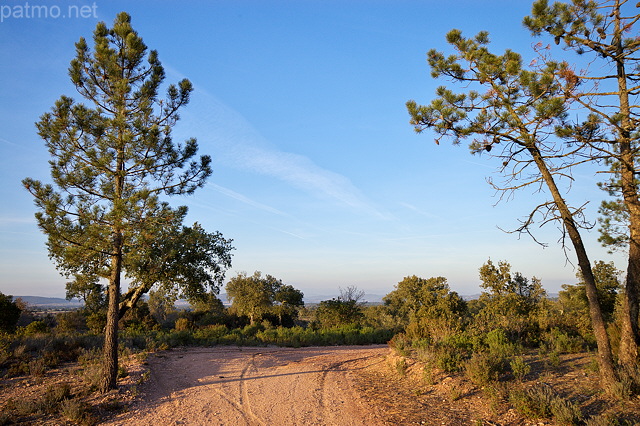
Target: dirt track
[(255, 386)]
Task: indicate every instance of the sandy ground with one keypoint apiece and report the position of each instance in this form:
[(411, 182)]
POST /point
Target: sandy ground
[(256, 386)]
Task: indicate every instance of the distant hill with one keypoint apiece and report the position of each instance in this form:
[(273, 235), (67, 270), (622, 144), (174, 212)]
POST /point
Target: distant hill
[(50, 302), (58, 302)]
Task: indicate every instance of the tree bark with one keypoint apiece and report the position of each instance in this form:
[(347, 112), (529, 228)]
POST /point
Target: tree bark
[(629, 339), (110, 349), (605, 357)]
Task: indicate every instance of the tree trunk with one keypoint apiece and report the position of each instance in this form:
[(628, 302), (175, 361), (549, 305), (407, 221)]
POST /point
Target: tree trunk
[(629, 339), (605, 357), (110, 349), (628, 352)]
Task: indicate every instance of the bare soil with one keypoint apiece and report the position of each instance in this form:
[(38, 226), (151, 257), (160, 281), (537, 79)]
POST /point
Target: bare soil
[(256, 386), (340, 385)]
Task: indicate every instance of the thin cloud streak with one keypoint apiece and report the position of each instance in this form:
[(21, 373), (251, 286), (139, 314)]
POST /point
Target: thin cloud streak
[(243, 199), (239, 145)]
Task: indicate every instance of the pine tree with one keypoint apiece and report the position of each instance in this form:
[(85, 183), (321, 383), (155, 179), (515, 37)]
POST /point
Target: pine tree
[(514, 119), (606, 31), (111, 162)]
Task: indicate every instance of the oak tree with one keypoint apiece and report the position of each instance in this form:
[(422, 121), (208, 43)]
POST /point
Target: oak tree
[(253, 295)]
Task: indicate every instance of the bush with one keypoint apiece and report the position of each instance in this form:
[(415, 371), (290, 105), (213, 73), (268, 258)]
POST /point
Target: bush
[(401, 344), (499, 344), (96, 322), (182, 324), (451, 353), (519, 368), (76, 411), (37, 367), (401, 367), (484, 368), (541, 401), (560, 342), (211, 334), (35, 328), (9, 313), (70, 322)]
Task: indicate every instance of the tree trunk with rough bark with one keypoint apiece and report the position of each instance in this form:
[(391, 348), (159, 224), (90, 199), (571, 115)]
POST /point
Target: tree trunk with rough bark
[(605, 357)]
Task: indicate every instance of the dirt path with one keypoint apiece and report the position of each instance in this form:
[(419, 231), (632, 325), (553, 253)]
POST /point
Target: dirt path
[(256, 386)]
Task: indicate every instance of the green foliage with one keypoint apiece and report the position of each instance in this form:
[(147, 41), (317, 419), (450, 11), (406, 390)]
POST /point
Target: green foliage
[(381, 316), (427, 307), (608, 420), (499, 344), (256, 296), (113, 159), (75, 411), (484, 368), (110, 165), (401, 367), (606, 34), (96, 322), (182, 324), (519, 368), (162, 306), (401, 344), (88, 289), (511, 302), (52, 399), (541, 401), (35, 328), (138, 318), (452, 352), (337, 312), (574, 305), (72, 321), (558, 341), (9, 313)]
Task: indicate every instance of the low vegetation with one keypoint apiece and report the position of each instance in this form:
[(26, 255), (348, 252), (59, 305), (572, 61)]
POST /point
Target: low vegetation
[(508, 343)]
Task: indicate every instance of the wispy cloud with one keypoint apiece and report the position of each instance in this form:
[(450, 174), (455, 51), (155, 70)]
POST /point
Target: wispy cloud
[(239, 197), (419, 211), (239, 145), (13, 220)]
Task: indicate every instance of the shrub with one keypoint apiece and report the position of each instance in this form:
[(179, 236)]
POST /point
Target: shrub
[(75, 411), (182, 324), (9, 313), (499, 344), (48, 404), (449, 359), (451, 353), (96, 322), (401, 344), (484, 368), (72, 321), (560, 342), (35, 328), (519, 368), (37, 367), (428, 374), (401, 367), (252, 329), (608, 420), (542, 402), (210, 334)]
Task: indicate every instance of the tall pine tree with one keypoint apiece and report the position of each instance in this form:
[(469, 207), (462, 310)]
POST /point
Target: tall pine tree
[(512, 116), (111, 162), (605, 31)]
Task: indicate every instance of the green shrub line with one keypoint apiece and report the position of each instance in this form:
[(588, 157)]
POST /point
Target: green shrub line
[(33, 353)]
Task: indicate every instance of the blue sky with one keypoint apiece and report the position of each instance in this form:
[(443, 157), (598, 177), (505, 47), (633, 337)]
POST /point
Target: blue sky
[(318, 176)]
